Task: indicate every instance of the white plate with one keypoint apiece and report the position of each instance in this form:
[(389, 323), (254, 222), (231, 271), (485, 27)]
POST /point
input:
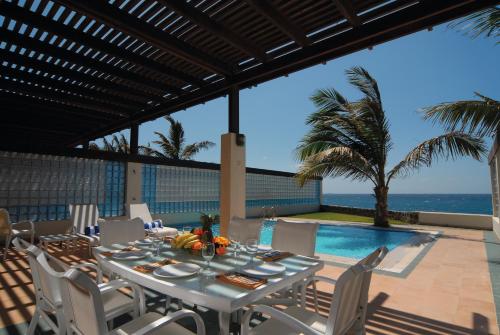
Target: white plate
[(130, 255), (264, 269), (178, 270), (264, 248), (145, 242)]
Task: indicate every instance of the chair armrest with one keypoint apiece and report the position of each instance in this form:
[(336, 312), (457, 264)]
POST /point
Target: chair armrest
[(30, 222), (200, 326), (90, 265), (290, 321), (117, 284)]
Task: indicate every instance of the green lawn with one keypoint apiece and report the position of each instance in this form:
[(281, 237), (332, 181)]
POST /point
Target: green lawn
[(340, 217)]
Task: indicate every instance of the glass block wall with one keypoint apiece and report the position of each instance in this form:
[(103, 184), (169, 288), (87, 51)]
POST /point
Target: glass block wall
[(40, 187), (168, 189)]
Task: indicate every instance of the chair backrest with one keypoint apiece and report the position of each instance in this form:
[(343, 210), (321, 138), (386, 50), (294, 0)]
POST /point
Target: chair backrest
[(117, 231), (5, 225), (82, 216), (46, 288), (296, 237), (245, 229), (82, 303), (350, 297), (139, 211)]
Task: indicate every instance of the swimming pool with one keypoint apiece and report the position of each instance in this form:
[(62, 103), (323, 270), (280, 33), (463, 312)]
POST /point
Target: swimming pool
[(340, 240)]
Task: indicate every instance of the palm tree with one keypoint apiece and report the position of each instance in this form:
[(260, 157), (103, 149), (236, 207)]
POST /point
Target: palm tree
[(479, 117), (485, 22), (117, 144), (352, 139), (174, 146)]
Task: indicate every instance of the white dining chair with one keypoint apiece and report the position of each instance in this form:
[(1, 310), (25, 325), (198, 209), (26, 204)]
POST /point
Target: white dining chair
[(12, 230), (79, 290), (347, 311), (121, 231), (296, 237), (245, 229), (85, 222), (47, 272)]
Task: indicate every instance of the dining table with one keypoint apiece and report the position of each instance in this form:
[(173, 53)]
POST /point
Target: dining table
[(204, 288)]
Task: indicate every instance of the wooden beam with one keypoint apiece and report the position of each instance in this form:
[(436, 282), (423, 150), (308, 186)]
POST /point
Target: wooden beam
[(73, 90), (234, 109), (64, 99), (200, 18), (13, 126), (265, 8), (145, 84), (131, 25), (54, 109), (346, 8), (115, 88), (68, 32), (134, 139)]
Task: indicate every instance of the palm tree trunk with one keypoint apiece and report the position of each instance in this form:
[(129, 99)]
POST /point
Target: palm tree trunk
[(381, 215)]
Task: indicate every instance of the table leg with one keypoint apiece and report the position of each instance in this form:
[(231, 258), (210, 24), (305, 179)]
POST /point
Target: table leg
[(224, 323)]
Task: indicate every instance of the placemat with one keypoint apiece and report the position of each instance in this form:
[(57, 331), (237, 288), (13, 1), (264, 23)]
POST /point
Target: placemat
[(275, 256), (150, 267), (241, 280)]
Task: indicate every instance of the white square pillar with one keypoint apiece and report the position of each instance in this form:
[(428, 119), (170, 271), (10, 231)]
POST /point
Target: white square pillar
[(232, 179), (133, 189)]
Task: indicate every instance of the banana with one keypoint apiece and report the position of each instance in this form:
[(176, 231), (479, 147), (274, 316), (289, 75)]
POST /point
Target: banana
[(190, 237), (189, 244)]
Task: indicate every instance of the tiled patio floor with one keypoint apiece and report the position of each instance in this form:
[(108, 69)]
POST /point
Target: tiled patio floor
[(449, 291)]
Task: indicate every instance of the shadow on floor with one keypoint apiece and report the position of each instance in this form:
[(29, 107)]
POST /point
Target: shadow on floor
[(17, 296), (383, 320)]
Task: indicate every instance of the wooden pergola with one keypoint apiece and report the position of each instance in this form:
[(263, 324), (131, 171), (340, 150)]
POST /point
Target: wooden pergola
[(75, 70)]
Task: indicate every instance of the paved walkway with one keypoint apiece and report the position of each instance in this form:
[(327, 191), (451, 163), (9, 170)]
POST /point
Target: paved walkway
[(448, 292)]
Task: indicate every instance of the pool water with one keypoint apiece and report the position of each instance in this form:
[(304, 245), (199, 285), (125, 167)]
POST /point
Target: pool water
[(339, 240)]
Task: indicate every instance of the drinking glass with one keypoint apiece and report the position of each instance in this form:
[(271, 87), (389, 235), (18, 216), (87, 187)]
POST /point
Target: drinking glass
[(252, 245), (186, 229), (208, 253), (235, 241), (157, 242)]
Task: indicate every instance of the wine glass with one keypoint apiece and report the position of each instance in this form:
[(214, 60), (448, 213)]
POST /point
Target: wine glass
[(252, 245), (208, 253)]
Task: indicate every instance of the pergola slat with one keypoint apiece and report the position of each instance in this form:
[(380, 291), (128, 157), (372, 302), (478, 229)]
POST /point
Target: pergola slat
[(266, 9), (114, 64), (68, 32), (125, 22)]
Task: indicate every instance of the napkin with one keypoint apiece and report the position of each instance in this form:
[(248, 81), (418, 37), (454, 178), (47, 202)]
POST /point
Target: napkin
[(275, 255), (150, 267), (126, 249), (241, 280)]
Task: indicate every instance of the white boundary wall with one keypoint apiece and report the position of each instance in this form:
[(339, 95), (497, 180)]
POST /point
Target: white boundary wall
[(458, 220)]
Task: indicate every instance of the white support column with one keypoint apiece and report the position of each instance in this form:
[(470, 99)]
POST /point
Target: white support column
[(134, 181), (232, 180)]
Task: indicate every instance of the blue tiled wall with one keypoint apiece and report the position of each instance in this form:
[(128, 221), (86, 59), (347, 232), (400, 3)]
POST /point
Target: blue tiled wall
[(169, 189)]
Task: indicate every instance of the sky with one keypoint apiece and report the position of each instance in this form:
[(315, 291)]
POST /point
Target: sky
[(412, 72)]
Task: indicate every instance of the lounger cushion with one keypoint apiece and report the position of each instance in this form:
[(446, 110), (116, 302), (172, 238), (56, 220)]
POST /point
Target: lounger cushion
[(153, 224), (91, 230)]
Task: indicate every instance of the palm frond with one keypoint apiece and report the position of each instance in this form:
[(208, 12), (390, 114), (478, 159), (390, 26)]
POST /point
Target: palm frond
[(485, 22), (192, 149), (480, 117), (335, 162), (448, 146), (107, 145), (94, 146), (167, 148)]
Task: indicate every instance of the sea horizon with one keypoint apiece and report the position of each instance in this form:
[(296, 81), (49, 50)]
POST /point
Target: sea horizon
[(469, 203)]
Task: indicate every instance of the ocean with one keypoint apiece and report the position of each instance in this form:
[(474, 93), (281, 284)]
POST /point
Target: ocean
[(454, 203)]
